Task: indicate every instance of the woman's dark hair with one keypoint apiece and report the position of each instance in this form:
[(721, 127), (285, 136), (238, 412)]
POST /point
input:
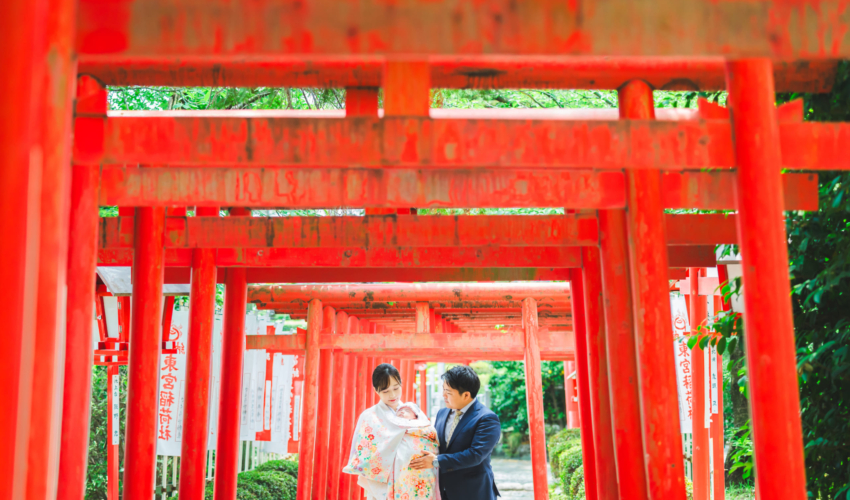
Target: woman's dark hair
[(463, 379), (383, 376)]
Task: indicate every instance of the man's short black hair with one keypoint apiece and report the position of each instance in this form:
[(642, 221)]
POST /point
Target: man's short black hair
[(383, 376), (463, 379)]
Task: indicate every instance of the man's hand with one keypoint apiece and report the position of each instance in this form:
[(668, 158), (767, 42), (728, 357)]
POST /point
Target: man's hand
[(426, 461)]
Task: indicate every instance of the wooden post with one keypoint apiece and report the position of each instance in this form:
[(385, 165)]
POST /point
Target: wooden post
[(193, 449), (310, 398), (20, 187), (364, 387), (423, 390), (58, 69), (620, 337), (230, 394), (587, 449), (648, 267), (349, 411), (145, 341), (339, 395), (323, 421), (697, 306), (597, 364), (573, 421), (773, 390), (534, 399), (82, 264)]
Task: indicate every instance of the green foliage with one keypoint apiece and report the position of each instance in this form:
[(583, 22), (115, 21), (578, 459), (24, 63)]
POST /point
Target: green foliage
[(286, 466), (577, 483), (507, 389), (742, 452), (513, 440), (570, 461), (197, 98), (559, 443), (565, 459), (99, 438), (262, 485), (819, 254)]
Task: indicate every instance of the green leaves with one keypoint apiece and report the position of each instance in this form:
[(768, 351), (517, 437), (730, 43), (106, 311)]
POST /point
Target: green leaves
[(507, 391), (692, 341)]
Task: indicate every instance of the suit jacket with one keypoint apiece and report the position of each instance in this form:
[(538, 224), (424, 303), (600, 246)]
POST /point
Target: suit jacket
[(465, 472)]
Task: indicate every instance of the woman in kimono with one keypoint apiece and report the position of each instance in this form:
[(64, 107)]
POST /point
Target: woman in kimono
[(387, 437)]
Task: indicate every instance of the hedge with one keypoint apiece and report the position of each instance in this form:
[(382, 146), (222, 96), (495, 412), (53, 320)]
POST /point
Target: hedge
[(287, 466), (560, 442), (565, 459), (273, 480)]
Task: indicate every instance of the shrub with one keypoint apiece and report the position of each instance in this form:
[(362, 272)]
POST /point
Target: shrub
[(570, 462), (513, 440), (577, 484), (286, 466), (560, 442), (262, 485)]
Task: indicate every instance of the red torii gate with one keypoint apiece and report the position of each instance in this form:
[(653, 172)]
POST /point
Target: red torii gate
[(336, 329), (497, 44)]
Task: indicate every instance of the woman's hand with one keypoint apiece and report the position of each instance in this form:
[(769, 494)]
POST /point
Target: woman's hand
[(426, 461)]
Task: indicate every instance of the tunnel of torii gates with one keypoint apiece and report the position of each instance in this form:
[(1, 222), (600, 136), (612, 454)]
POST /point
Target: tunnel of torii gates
[(615, 173)]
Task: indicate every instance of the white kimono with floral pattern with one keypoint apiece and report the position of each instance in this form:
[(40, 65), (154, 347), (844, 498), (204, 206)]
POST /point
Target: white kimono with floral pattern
[(381, 451)]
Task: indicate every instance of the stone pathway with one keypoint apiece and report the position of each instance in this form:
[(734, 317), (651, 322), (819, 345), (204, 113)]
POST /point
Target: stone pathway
[(513, 478)]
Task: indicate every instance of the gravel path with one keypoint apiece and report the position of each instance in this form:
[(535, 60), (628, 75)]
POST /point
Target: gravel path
[(513, 478)]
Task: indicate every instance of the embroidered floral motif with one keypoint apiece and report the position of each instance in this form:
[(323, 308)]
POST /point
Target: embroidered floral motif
[(367, 461)]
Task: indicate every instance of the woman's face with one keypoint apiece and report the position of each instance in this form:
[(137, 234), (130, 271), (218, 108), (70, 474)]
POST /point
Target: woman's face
[(391, 396)]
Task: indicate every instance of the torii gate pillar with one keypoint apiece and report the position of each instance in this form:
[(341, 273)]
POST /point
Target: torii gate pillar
[(193, 451), (534, 398), (771, 355), (230, 392), (662, 441), (145, 342), (82, 265)]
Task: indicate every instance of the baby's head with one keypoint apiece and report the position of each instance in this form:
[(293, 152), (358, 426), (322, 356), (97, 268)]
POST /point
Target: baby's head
[(406, 413)]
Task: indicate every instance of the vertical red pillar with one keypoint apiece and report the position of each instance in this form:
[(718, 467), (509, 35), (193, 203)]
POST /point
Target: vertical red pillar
[(700, 462), (620, 333), (587, 450), (326, 362), (569, 394), (337, 413), (230, 391), (350, 411), (597, 364), (145, 342), (534, 398), (112, 384), (82, 264), (56, 98), (773, 390), (423, 390), (363, 388), (374, 364), (193, 449), (307, 444), (662, 442), (21, 29)]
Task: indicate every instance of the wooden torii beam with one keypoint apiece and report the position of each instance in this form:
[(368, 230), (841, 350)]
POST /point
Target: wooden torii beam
[(409, 231), (451, 72), (144, 30)]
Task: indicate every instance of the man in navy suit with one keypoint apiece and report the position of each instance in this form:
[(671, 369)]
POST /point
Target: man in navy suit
[(468, 432)]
